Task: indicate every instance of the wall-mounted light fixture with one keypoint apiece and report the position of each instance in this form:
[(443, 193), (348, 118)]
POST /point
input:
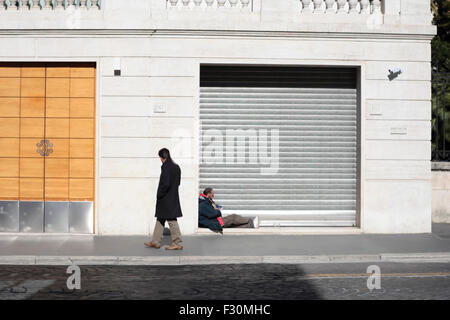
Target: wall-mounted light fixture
[(117, 67), (394, 73)]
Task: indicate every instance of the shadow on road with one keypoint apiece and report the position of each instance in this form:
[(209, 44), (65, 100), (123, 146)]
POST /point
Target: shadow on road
[(202, 282)]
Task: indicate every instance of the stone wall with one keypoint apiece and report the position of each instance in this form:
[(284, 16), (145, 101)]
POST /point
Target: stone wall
[(155, 101), (441, 192)]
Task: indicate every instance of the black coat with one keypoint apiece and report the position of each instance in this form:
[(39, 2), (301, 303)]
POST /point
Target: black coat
[(167, 198)]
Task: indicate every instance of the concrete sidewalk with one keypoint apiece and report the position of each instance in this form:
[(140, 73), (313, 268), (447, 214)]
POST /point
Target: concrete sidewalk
[(218, 249)]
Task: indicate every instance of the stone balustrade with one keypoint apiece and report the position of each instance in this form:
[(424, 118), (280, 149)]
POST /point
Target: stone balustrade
[(241, 4), (341, 6), (305, 6), (49, 4)]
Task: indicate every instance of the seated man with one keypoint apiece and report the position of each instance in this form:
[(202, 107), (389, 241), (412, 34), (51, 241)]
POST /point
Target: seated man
[(210, 216)]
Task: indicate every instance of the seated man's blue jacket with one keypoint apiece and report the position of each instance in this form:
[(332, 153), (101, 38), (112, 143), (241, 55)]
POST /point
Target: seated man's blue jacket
[(207, 215)]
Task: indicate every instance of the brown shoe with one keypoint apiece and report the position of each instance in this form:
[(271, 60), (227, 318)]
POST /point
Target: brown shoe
[(152, 245), (174, 247)]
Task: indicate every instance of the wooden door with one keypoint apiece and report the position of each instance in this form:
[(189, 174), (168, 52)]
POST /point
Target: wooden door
[(47, 132), (70, 128)]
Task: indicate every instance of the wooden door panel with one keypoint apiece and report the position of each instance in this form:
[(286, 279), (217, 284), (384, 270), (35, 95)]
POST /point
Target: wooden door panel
[(81, 148), (32, 128), (31, 189), (82, 168), (57, 107), (9, 127), (82, 128), (57, 128), (32, 107), (58, 72), (32, 167), (9, 107), (10, 147), (10, 87), (58, 87), (33, 72), (81, 189), (82, 72), (9, 167), (82, 88), (7, 72), (56, 168), (28, 147), (9, 188), (60, 148), (32, 87), (82, 107), (56, 189)]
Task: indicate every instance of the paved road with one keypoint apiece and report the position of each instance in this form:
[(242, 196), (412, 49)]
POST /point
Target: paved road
[(229, 282)]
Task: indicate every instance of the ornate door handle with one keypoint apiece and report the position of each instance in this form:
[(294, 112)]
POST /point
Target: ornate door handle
[(44, 147)]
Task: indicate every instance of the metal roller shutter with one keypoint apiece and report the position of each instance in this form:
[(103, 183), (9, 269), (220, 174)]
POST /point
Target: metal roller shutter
[(280, 143)]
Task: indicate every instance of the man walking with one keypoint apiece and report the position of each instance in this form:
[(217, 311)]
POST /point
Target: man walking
[(167, 203)]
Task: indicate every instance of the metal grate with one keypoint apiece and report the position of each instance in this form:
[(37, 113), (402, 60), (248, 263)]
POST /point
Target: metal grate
[(280, 143)]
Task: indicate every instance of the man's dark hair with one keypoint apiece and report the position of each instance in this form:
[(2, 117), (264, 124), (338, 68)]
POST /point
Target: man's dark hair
[(207, 191), (164, 153)]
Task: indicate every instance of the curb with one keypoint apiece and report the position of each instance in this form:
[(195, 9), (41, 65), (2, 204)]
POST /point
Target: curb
[(416, 257), (211, 260)]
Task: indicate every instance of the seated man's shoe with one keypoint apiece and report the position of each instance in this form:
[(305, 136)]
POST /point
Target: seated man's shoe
[(152, 245), (174, 247)]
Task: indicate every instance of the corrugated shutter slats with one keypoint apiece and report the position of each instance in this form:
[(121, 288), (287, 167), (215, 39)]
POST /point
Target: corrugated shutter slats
[(314, 110)]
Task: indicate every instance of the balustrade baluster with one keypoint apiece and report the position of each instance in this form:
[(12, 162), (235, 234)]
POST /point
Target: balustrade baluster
[(353, 6), (317, 6), (365, 4), (245, 3), (306, 4), (376, 6), (341, 6), (330, 6)]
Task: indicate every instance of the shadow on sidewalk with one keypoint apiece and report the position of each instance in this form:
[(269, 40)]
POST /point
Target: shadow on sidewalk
[(441, 230)]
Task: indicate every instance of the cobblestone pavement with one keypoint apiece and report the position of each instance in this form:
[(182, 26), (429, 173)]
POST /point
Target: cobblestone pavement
[(229, 282)]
